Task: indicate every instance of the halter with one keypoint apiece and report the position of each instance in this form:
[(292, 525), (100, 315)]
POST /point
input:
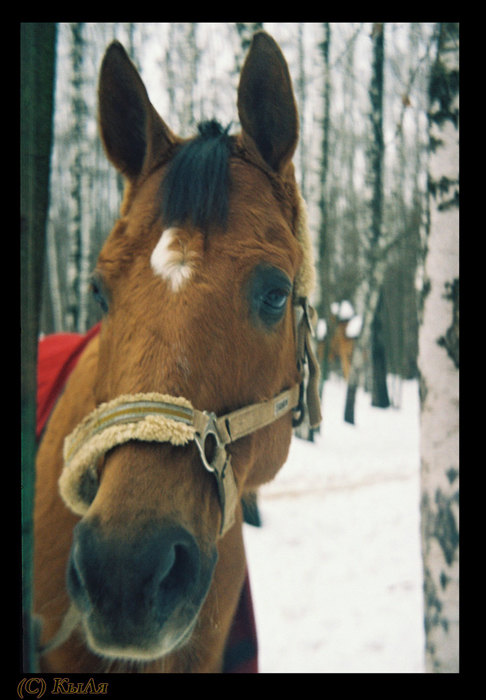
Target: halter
[(155, 417)]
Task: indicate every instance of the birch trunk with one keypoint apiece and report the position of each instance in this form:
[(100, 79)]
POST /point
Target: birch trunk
[(439, 368), (75, 255)]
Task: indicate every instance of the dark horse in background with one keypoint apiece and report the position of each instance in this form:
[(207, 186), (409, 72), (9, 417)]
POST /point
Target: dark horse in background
[(199, 280)]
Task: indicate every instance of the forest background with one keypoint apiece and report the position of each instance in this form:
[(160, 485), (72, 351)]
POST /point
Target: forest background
[(191, 73)]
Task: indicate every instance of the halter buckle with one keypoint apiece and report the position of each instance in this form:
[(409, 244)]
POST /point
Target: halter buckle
[(309, 315), (299, 410), (218, 463), (213, 456)]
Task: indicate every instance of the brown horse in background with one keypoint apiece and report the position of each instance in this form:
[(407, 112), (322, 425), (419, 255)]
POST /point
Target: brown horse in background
[(197, 281)]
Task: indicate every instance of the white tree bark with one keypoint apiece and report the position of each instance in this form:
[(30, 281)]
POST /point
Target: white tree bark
[(439, 372)]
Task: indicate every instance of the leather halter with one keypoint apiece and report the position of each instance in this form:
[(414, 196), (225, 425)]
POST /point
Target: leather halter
[(163, 418)]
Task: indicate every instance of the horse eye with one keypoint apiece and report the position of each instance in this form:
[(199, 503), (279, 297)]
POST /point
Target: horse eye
[(269, 290), (276, 299)]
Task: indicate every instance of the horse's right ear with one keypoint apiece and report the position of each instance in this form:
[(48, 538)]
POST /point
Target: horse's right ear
[(266, 103), (134, 135)]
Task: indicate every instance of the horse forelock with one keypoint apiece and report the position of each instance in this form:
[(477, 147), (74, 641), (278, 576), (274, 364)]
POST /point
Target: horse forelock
[(196, 184)]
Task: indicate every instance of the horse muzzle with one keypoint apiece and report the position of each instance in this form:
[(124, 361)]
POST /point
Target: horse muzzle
[(139, 597)]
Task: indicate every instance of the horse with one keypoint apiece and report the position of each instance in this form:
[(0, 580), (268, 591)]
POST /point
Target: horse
[(345, 327), (185, 400)]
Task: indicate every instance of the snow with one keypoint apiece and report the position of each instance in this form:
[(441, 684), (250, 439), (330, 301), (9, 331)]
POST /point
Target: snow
[(353, 329), (321, 330), (343, 310), (335, 571)]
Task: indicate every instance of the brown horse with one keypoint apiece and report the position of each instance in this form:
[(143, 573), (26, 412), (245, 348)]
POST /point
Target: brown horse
[(185, 400)]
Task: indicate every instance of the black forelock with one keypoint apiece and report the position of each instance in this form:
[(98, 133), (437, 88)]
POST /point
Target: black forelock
[(196, 185)]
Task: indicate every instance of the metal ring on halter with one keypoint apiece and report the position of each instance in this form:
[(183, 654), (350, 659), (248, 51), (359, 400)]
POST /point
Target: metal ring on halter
[(299, 411), (219, 464), (219, 448)]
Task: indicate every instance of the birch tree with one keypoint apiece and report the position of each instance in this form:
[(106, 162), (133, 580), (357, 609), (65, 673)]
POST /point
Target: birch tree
[(77, 251), (439, 366)]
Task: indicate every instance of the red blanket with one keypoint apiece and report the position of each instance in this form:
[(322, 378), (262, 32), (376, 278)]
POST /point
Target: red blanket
[(57, 357)]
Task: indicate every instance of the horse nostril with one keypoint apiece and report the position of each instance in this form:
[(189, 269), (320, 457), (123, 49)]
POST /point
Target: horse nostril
[(76, 588), (185, 568), (178, 576)]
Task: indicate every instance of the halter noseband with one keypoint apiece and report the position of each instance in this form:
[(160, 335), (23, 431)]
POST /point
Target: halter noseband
[(157, 417)]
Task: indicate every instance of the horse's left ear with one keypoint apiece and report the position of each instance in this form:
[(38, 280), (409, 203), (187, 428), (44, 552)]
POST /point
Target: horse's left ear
[(134, 135), (266, 103)]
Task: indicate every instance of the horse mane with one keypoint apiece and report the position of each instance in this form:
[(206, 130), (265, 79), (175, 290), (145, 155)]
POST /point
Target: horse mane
[(196, 185)]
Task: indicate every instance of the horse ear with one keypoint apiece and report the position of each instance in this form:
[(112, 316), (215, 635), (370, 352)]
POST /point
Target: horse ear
[(266, 103), (134, 135)]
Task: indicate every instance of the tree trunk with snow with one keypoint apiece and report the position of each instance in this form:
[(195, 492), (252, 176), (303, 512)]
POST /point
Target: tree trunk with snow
[(76, 169), (379, 389), (379, 392), (439, 367), (370, 295), (324, 235), (369, 290)]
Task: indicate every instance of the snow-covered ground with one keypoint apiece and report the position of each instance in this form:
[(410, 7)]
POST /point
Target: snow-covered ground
[(335, 570)]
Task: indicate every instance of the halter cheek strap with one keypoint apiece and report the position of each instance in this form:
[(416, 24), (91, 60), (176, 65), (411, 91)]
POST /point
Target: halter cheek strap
[(154, 417)]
